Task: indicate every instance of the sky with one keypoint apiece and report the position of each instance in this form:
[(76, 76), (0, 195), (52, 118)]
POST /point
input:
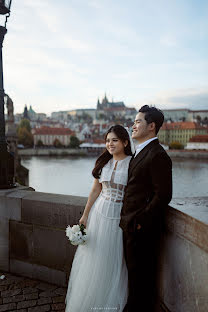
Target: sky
[(64, 55)]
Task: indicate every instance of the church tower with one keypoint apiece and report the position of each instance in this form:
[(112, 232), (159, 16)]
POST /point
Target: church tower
[(105, 101), (25, 114), (98, 104)]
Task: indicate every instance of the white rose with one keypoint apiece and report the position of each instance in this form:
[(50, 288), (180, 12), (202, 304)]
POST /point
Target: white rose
[(68, 230), (75, 228)]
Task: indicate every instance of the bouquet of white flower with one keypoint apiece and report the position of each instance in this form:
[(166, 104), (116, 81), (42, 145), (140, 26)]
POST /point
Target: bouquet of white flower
[(77, 234)]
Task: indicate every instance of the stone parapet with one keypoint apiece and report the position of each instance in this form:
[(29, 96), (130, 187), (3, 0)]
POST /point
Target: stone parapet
[(33, 244), (183, 269)]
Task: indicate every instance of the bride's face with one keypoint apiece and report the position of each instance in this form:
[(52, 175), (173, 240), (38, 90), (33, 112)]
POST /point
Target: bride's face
[(114, 145)]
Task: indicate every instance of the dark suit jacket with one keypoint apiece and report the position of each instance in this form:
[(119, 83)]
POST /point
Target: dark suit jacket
[(149, 189)]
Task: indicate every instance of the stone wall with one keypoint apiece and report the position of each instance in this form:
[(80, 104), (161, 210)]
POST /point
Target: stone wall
[(32, 233), (33, 244)]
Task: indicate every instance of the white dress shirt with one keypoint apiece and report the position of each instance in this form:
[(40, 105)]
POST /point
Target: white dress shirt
[(139, 147)]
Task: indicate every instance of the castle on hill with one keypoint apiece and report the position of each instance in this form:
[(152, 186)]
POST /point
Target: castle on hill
[(106, 104), (113, 111)]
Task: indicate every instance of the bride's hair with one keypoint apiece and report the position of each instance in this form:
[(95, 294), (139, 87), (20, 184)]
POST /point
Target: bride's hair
[(123, 135)]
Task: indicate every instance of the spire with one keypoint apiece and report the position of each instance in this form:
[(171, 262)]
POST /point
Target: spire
[(98, 104), (25, 113), (105, 101), (105, 98)]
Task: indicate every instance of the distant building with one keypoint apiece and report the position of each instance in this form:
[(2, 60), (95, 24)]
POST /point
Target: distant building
[(61, 115), (180, 132), (74, 114), (198, 142), (31, 115), (80, 112), (199, 115), (48, 135), (107, 110), (176, 115), (106, 104), (184, 114)]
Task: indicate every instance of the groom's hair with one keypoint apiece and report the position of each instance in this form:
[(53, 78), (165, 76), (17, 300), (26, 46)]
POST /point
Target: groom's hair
[(153, 114)]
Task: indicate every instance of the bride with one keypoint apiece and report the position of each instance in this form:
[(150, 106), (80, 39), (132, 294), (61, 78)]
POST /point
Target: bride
[(98, 278)]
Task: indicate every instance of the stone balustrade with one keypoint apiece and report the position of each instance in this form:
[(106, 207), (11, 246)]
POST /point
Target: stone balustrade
[(33, 244)]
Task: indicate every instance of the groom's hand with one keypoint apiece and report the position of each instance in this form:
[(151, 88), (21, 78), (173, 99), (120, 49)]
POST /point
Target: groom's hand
[(138, 226)]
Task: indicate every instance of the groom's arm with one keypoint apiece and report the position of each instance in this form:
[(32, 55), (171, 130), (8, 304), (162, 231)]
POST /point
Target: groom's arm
[(161, 178)]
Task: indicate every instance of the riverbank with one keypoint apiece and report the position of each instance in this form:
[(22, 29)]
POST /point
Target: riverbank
[(52, 152), (188, 154)]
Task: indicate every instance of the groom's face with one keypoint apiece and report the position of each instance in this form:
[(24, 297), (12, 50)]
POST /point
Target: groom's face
[(141, 128)]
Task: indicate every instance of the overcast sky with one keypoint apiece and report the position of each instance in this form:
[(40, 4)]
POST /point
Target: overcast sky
[(62, 55)]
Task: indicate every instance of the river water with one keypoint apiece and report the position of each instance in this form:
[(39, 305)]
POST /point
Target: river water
[(72, 175)]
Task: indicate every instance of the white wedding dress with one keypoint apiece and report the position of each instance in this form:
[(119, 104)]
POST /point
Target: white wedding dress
[(98, 279)]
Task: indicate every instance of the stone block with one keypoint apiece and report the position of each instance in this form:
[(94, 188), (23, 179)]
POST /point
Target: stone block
[(13, 299), (52, 210), (46, 300), (26, 304), (4, 244), (38, 272), (31, 296), (7, 307), (59, 299), (9, 293), (10, 203), (58, 306), (21, 241), (29, 290), (11, 208), (50, 247), (43, 308)]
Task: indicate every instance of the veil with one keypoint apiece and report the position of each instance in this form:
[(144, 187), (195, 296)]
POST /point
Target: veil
[(131, 140)]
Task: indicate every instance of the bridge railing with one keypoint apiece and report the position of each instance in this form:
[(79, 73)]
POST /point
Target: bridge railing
[(33, 244)]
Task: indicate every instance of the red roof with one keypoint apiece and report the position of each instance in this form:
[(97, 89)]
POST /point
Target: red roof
[(53, 131), (181, 125), (199, 138)]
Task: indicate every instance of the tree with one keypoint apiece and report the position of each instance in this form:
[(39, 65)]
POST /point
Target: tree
[(74, 142), (39, 143), (24, 134), (198, 119), (57, 143), (25, 137), (24, 123)]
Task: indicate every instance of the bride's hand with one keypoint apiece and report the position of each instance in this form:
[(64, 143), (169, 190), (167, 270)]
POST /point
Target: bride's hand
[(83, 220)]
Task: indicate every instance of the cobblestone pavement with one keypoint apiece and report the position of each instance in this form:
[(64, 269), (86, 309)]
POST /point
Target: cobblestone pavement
[(27, 295)]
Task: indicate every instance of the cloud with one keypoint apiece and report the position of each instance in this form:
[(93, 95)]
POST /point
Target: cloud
[(168, 40), (196, 99)]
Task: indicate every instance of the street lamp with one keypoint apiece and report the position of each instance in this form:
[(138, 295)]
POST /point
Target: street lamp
[(7, 179)]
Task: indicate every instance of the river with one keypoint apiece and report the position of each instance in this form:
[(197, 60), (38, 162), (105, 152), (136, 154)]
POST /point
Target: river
[(72, 176)]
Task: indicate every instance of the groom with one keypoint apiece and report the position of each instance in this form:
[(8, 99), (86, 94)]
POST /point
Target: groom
[(147, 194)]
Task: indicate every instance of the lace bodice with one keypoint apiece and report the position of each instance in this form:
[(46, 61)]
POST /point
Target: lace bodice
[(114, 179)]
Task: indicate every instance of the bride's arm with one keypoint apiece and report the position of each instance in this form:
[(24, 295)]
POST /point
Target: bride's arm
[(95, 191)]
